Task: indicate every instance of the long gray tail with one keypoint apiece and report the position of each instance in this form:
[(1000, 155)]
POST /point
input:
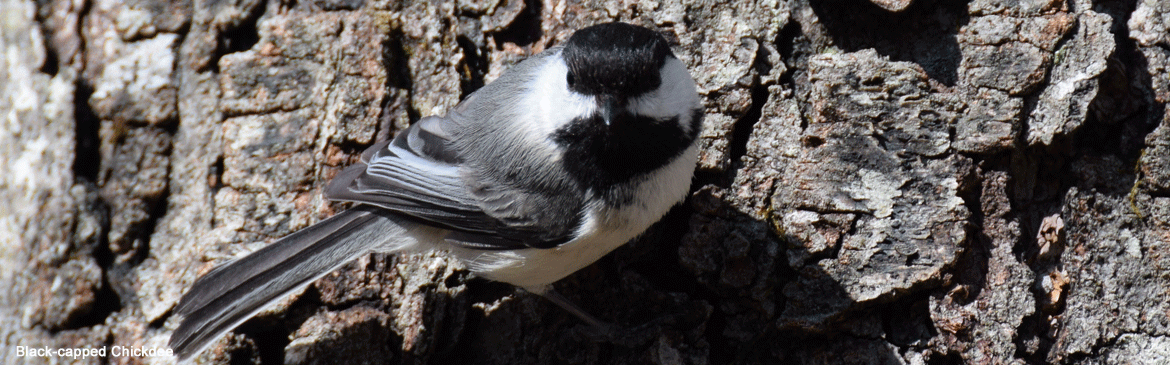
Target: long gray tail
[(233, 292)]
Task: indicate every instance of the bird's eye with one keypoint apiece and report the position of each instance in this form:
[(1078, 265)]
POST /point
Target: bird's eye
[(570, 79)]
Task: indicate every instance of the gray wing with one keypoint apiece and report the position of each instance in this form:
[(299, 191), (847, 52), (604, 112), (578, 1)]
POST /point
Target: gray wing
[(421, 175)]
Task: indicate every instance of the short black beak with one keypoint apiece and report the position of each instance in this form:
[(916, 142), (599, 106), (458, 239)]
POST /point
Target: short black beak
[(609, 110)]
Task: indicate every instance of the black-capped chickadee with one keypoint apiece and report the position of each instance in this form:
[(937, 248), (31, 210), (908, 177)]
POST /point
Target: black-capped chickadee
[(568, 155)]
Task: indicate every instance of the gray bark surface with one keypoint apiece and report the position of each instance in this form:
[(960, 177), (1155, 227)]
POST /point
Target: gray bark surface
[(885, 182)]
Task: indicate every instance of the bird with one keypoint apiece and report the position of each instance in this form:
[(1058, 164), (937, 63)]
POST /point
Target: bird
[(566, 156)]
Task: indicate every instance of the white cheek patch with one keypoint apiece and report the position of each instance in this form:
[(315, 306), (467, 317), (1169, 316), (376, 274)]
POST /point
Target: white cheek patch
[(553, 104), (676, 96)]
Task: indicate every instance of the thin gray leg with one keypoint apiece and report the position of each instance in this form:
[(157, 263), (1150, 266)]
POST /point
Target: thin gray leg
[(563, 302)]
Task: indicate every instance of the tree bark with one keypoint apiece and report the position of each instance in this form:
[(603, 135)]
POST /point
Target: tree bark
[(885, 182)]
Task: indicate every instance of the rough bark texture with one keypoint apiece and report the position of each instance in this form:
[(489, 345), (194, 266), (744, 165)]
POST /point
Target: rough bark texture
[(885, 182)]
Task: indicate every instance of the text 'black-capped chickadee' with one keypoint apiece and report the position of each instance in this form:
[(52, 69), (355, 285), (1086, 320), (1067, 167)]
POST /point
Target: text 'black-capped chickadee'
[(567, 156)]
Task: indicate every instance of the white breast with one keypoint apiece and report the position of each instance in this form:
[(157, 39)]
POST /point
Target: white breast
[(602, 231)]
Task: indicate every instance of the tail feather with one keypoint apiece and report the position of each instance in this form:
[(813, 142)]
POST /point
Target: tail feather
[(233, 292)]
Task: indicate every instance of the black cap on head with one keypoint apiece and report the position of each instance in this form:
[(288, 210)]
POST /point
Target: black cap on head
[(615, 58)]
